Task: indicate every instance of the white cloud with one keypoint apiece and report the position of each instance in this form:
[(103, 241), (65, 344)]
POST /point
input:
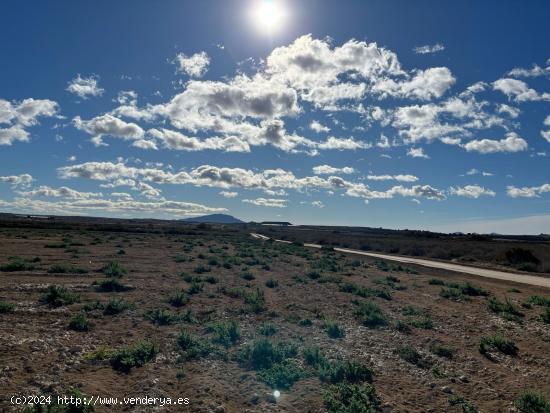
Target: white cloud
[(20, 115), (229, 194), (274, 203), (417, 153), (400, 178), (318, 204), (328, 170), (84, 87), (545, 134), (471, 191), (425, 85), (22, 180), (195, 65), (61, 192), (318, 127), (101, 126), (535, 71), (428, 49), (512, 143), (509, 110), (527, 192), (518, 90)]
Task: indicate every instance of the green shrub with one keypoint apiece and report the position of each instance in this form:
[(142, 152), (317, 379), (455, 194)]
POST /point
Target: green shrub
[(531, 402), (201, 269), (17, 264), (505, 309), (271, 283), (365, 292), (314, 275), (436, 281), (248, 276), (211, 280), (351, 398), (79, 322), (539, 300), (64, 269), (114, 270), (160, 317), (333, 329), (57, 296), (313, 356), (344, 371), (268, 329), (371, 315), (410, 355), (545, 316), (193, 346), (262, 353), (6, 307), (465, 405), (115, 306), (226, 333), (282, 375), (178, 299), (497, 343), (413, 311), (402, 327), (109, 285), (195, 288), (136, 355), (422, 322), (451, 294), (306, 322)]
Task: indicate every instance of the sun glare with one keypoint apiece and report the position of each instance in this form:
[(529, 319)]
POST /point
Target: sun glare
[(268, 15)]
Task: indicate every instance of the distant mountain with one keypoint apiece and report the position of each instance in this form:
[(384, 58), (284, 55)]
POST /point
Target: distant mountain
[(215, 219)]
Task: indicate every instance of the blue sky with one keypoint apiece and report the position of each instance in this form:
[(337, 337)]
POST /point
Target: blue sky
[(431, 115)]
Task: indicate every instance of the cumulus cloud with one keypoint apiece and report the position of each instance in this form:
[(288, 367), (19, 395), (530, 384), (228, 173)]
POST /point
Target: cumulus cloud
[(318, 204), (15, 181), (328, 170), (512, 143), (471, 191), (318, 127), (229, 194), (20, 115), (271, 202), (84, 87), (425, 85), (428, 49), (108, 125), (518, 90), (534, 71), (195, 65), (61, 192), (417, 153), (527, 192)]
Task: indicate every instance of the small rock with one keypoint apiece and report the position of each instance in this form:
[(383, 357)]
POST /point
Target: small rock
[(447, 389)]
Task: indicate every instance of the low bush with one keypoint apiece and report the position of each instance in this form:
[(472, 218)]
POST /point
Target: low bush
[(17, 264), (436, 281), (115, 306), (465, 405), (57, 296), (114, 270), (6, 307), (371, 315), (351, 398), (136, 355), (532, 402), (422, 322), (344, 371), (364, 292), (226, 333), (192, 345), (333, 329), (268, 329), (160, 317), (505, 309), (282, 375), (109, 285), (248, 276), (262, 353), (410, 355), (539, 300), (178, 299), (79, 322), (441, 351), (497, 343), (313, 356), (271, 283)]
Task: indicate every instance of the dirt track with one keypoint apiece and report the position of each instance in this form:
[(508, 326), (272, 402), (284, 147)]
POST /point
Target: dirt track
[(481, 272)]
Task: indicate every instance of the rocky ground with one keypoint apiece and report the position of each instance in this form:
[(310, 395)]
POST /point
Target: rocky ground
[(226, 321)]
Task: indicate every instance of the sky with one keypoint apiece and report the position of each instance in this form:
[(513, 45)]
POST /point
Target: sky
[(397, 114)]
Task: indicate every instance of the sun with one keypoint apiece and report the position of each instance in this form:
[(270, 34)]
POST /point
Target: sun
[(268, 15)]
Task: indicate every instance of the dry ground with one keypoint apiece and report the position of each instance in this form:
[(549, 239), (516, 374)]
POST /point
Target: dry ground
[(40, 354)]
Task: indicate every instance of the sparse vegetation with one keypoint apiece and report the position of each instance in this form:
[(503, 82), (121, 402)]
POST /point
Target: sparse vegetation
[(6, 307), (532, 402), (79, 322), (371, 315), (226, 333), (57, 296), (493, 343), (133, 356), (351, 398)]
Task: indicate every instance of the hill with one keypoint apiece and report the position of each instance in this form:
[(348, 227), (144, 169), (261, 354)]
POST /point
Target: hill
[(216, 219)]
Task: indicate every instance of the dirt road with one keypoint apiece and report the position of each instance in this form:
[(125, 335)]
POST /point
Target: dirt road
[(480, 272)]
